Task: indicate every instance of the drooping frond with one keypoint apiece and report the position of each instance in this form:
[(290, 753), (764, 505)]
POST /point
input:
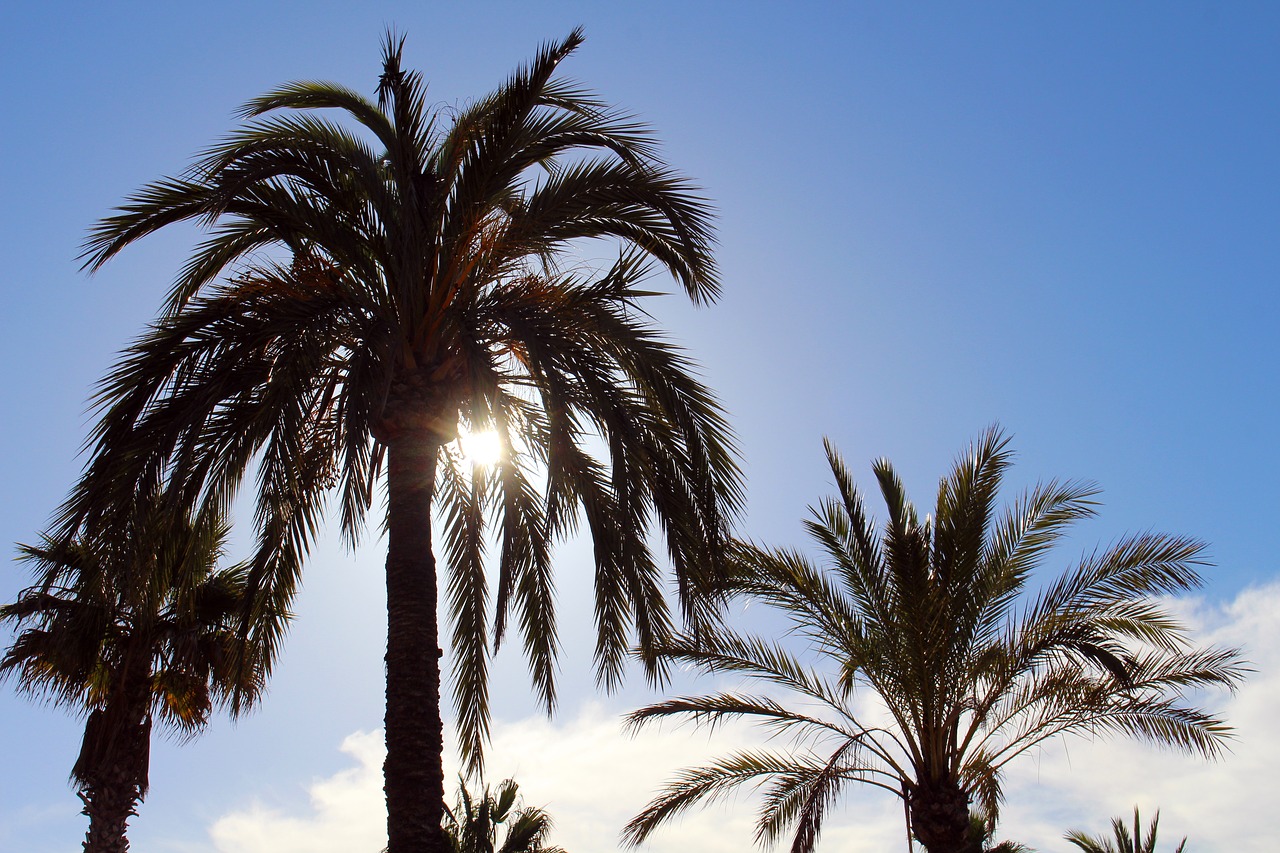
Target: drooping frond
[(376, 266)]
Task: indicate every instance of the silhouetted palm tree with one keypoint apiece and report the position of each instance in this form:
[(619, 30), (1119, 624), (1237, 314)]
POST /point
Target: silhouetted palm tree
[(933, 618), (435, 277), (472, 825), (1124, 842), (126, 627)]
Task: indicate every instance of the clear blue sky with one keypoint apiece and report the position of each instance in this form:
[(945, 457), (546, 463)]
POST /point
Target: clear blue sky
[(934, 216)]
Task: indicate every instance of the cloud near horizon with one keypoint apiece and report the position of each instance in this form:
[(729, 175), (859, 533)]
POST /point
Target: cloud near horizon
[(593, 778)]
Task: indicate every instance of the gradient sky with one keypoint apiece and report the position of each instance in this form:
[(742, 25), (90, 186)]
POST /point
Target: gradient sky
[(933, 217)]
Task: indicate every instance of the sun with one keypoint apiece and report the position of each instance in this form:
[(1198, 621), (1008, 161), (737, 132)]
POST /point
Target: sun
[(482, 448)]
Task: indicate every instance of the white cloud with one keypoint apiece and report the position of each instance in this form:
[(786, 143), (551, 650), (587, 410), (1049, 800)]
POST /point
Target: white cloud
[(585, 772), (593, 778), (348, 813), (1219, 806)]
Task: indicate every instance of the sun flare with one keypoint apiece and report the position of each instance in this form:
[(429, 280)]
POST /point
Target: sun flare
[(482, 448)]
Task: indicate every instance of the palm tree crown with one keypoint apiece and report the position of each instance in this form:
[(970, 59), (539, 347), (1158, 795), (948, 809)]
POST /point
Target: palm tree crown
[(128, 627), (1124, 842), (473, 823), (933, 617), (427, 275)]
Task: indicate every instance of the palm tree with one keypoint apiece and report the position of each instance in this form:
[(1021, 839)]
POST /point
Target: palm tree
[(472, 824), (125, 628), (429, 274), (1124, 842), (966, 669)]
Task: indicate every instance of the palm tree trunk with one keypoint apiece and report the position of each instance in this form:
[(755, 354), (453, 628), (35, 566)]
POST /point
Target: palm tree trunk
[(112, 771), (940, 818), (109, 803), (414, 768)]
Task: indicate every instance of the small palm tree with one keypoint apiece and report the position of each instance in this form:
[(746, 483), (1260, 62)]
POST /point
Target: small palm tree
[(126, 628), (371, 285), (933, 618), (472, 825), (1124, 842)]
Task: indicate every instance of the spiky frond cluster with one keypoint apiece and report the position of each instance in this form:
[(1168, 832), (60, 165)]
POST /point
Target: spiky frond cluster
[(934, 617), (474, 822), (1124, 842), (404, 271)]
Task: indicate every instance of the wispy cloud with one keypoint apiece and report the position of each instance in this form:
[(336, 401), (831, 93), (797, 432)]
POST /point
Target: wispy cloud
[(1220, 806), (593, 778)]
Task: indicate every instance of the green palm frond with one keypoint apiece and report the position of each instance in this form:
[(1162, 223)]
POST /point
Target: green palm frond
[(982, 826), (696, 785)]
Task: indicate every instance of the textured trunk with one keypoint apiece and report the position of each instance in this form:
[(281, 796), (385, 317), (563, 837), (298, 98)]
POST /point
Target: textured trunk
[(112, 770), (414, 769), (940, 818), (109, 802)]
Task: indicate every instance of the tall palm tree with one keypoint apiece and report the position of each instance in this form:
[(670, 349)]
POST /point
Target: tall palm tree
[(130, 627), (430, 271), (1124, 842), (472, 824), (966, 668)]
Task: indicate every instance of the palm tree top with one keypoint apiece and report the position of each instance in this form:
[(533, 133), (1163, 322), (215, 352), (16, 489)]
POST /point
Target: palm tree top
[(434, 182), (128, 626), (370, 283), (1124, 842), (427, 287), (473, 823), (934, 616), (149, 591)]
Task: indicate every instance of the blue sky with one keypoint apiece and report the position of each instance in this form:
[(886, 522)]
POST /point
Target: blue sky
[(932, 217)]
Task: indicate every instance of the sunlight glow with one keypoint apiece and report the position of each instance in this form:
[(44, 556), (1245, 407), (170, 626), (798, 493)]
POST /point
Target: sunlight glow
[(482, 448)]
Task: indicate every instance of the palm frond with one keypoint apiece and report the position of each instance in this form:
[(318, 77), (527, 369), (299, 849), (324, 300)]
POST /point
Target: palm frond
[(705, 784), (467, 594)]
